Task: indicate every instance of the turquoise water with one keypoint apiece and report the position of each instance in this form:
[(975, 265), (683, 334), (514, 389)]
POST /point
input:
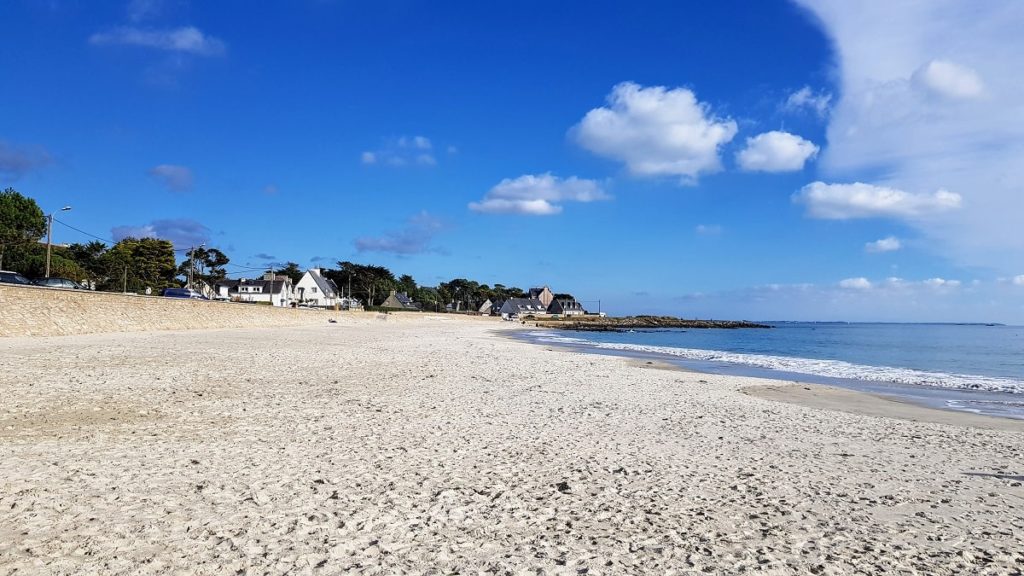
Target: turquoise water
[(976, 368)]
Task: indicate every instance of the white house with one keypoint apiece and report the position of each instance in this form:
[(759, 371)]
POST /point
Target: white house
[(315, 290), (275, 289)]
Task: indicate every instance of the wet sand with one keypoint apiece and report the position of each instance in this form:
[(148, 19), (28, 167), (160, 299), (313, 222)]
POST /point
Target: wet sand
[(843, 400)]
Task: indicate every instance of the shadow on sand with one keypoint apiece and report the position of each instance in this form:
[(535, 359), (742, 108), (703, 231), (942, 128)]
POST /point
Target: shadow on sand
[(1000, 476)]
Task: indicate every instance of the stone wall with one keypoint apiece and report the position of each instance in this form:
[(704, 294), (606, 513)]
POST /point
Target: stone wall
[(34, 311)]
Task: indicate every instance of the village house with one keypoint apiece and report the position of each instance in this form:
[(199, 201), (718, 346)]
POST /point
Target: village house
[(485, 308), (544, 294), (274, 289), (400, 301), (349, 303), (522, 307), (496, 307), (314, 289), (566, 307)]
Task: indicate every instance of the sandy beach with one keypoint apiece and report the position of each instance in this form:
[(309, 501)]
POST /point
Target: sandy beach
[(425, 444)]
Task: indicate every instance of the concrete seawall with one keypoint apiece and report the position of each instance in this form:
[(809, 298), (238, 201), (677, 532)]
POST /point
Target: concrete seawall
[(35, 311)]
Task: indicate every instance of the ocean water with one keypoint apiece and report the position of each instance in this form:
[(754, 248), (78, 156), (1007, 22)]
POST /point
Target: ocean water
[(976, 368)]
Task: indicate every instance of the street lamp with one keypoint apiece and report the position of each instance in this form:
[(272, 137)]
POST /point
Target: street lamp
[(49, 237)]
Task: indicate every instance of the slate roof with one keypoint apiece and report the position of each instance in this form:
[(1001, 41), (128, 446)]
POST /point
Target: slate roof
[(403, 299), (523, 306), (560, 305), (326, 285)]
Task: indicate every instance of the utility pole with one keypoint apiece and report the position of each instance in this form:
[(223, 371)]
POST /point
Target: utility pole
[(49, 237), (124, 289), (192, 263)]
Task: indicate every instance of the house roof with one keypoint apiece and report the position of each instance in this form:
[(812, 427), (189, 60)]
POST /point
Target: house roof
[(527, 305), (565, 304), (266, 286), (534, 292), (326, 285), (402, 299)]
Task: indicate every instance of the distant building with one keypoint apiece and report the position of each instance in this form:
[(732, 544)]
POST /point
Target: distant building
[(543, 294), (496, 307), (316, 290), (566, 307), (275, 289), (522, 307), (350, 303), (399, 300), (485, 308)]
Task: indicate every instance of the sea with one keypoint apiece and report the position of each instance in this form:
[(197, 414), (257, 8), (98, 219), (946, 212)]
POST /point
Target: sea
[(963, 367)]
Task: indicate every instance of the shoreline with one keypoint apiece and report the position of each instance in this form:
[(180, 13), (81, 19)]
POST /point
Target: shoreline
[(921, 397), (823, 397)]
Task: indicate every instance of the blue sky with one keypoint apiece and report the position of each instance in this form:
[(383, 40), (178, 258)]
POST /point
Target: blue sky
[(768, 160)]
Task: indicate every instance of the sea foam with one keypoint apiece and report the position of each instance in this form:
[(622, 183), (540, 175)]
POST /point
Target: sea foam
[(809, 366)]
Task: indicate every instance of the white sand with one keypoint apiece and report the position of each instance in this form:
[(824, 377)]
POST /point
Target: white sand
[(434, 446)]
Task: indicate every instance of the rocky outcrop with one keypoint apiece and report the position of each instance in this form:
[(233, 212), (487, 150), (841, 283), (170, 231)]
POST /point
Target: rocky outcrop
[(610, 324)]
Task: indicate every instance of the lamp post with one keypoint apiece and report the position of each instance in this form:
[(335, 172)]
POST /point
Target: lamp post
[(49, 237)]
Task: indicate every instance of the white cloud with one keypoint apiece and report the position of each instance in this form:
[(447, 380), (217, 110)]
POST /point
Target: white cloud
[(806, 99), (402, 151), (708, 229), (941, 283), (926, 103), (860, 283), (887, 244), (776, 151), (656, 131), (1018, 280), (175, 178), (537, 195), (859, 200), (139, 10), (188, 40), (421, 142), (949, 79)]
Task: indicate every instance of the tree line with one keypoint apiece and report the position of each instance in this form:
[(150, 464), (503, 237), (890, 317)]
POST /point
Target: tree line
[(372, 285), (131, 264), (135, 264)]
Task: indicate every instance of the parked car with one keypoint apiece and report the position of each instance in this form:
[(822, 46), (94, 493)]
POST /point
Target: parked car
[(184, 293), (8, 277), (58, 283)]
